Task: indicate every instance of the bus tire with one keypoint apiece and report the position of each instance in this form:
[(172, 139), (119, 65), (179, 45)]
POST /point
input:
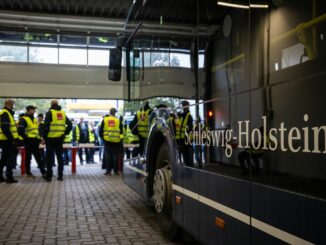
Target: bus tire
[(162, 197)]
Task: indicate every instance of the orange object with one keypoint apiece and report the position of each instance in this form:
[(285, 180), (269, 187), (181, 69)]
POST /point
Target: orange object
[(219, 222), (23, 159), (210, 113), (178, 200), (73, 159)]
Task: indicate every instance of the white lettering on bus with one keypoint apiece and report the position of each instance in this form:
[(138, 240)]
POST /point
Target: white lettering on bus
[(283, 138)]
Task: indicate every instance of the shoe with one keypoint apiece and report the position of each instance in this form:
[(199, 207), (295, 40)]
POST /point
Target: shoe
[(60, 178), (107, 173), (47, 178), (30, 175), (11, 180), (2, 179), (116, 174)]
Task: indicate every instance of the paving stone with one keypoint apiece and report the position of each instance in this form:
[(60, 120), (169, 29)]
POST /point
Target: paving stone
[(86, 208)]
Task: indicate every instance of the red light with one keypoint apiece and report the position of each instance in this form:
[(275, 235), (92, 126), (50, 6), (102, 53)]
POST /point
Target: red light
[(210, 113)]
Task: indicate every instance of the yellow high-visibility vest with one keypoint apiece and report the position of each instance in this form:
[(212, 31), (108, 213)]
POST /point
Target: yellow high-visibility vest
[(129, 136), (31, 129), (178, 122), (13, 126), (184, 124), (111, 129), (68, 138), (142, 117), (58, 124), (91, 135)]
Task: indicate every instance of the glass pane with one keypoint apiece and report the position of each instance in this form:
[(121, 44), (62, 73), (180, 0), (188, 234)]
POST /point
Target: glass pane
[(12, 37), (43, 38), (98, 57), (201, 58), (159, 59), (72, 56), (180, 60), (105, 42), (13, 53), (73, 40), (43, 55)]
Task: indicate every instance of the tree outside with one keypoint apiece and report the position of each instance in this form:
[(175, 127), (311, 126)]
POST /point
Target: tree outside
[(42, 105)]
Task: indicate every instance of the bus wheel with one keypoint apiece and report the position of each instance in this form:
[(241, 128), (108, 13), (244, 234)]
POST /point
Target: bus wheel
[(162, 189), (162, 195)]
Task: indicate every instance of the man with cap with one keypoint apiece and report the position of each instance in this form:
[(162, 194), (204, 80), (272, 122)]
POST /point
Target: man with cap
[(56, 126), (28, 130), (186, 125), (112, 134), (8, 141)]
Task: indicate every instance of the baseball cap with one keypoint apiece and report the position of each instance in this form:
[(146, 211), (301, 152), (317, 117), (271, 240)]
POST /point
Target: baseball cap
[(30, 107)]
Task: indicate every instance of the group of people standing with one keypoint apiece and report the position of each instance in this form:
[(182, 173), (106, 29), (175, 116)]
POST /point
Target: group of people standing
[(57, 129), (53, 131)]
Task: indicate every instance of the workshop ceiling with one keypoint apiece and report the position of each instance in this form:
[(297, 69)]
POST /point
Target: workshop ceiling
[(174, 11)]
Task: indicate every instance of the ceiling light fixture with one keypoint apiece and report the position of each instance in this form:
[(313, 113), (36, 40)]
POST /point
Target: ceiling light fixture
[(242, 6), (232, 5), (262, 6)]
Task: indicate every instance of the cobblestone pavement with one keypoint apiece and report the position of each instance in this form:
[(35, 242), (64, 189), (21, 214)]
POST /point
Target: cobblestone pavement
[(88, 208)]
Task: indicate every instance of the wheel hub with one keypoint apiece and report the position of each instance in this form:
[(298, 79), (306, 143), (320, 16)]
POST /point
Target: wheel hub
[(162, 188)]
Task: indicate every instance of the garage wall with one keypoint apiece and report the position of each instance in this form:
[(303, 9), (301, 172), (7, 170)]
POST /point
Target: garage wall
[(57, 81)]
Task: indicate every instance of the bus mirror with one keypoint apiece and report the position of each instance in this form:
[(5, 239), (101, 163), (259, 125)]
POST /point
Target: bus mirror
[(115, 64)]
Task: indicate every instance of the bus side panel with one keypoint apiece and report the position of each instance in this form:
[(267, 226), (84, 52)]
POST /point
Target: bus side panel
[(231, 193), (299, 215), (259, 237), (190, 204), (133, 179), (178, 171)]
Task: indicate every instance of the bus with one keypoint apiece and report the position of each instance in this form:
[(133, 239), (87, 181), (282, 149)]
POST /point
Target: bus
[(258, 70)]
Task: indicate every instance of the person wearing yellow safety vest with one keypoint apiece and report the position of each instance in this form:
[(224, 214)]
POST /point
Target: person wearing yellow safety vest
[(177, 123), (130, 138), (57, 126), (112, 134), (28, 130), (93, 139), (139, 125), (186, 125), (81, 135), (8, 141)]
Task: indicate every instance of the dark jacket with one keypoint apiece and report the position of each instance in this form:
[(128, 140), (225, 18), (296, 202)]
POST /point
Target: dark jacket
[(83, 134), (5, 124), (48, 120)]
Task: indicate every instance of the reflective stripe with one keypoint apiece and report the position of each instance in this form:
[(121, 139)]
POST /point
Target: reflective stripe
[(12, 128), (260, 225)]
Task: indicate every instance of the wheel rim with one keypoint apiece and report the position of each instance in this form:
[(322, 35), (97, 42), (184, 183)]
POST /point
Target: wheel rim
[(162, 189)]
